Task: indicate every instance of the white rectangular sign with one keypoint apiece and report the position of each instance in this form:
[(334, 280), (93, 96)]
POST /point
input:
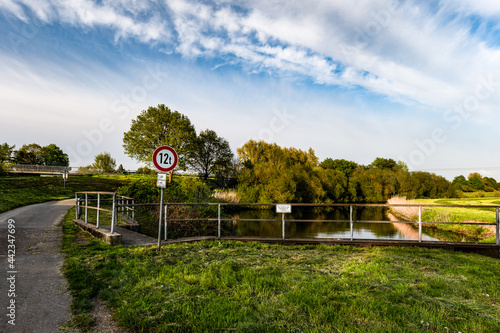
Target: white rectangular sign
[(284, 208), (162, 180)]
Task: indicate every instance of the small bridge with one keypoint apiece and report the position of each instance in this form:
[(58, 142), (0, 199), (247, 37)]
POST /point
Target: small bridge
[(35, 169)]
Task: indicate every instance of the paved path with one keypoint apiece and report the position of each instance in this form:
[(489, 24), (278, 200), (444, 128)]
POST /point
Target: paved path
[(42, 302)]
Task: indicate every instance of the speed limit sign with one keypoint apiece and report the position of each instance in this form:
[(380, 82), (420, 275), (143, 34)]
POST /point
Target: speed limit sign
[(165, 158)]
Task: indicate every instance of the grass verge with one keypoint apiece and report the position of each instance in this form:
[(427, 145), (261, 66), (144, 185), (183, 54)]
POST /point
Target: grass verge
[(469, 233), (21, 191), (254, 287)]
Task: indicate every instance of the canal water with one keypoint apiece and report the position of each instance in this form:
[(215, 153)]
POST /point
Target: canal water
[(361, 230)]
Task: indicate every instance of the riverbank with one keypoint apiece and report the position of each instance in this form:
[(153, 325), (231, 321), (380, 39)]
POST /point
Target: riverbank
[(456, 233)]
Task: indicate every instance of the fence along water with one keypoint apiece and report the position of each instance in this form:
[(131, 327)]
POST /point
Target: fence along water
[(126, 205)]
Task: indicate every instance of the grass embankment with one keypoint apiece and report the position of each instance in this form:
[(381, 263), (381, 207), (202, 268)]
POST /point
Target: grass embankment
[(21, 191), (450, 232), (465, 232), (253, 287)]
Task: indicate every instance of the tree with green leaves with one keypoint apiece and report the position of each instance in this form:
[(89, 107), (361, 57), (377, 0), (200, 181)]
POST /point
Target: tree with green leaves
[(476, 181), (345, 166), (53, 155), (155, 127), (6, 152), (210, 154), (384, 163), (29, 154), (271, 173), (104, 163)]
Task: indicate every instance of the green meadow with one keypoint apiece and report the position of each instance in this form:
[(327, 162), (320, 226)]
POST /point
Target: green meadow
[(226, 286)]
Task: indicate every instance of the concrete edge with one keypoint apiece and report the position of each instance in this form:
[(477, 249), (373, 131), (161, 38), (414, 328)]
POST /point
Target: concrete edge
[(106, 236)]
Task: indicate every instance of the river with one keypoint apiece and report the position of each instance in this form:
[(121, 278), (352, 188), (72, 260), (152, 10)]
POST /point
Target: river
[(361, 230)]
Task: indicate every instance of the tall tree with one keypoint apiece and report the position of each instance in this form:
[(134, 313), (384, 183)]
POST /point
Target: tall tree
[(384, 163), (53, 155), (210, 154), (29, 154), (347, 167), (155, 127), (6, 152), (104, 163)]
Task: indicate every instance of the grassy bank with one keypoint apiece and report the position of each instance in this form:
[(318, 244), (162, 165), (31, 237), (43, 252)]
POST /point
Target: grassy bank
[(21, 191), (463, 232), (457, 233), (231, 286)]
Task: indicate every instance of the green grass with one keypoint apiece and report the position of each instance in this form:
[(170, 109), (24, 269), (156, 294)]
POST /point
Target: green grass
[(21, 191), (448, 214), (254, 287)]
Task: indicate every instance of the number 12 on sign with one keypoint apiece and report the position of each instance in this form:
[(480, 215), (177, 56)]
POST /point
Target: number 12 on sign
[(165, 159)]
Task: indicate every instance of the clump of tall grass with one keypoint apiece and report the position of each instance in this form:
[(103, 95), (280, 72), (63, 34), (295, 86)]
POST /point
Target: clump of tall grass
[(227, 195), (409, 213)]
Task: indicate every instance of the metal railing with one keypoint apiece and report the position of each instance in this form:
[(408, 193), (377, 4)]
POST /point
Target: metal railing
[(351, 220), (35, 168), (119, 205)]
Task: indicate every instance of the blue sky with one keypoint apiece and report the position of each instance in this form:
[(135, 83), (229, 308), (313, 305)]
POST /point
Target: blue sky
[(417, 81)]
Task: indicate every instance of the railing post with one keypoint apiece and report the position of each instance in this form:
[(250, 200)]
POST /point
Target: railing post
[(127, 209), (76, 205), (352, 222), (133, 211), (98, 207), (498, 229), (86, 204), (113, 214), (283, 225), (166, 221), (218, 222), (420, 223)]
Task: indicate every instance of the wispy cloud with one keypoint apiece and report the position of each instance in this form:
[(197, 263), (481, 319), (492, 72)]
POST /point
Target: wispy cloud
[(426, 53)]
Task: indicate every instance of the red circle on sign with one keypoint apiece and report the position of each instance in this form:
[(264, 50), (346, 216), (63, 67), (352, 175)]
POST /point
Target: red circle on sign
[(165, 158)]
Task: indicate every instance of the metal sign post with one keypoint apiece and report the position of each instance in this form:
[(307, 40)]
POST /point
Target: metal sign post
[(165, 160)]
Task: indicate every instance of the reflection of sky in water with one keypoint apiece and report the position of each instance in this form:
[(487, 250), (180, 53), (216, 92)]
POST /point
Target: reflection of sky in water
[(368, 234)]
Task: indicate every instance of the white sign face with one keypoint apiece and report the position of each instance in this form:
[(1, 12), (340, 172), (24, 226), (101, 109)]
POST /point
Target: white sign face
[(283, 208), (161, 182)]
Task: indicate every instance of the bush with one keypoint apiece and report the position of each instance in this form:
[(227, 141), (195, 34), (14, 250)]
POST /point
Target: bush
[(182, 189)]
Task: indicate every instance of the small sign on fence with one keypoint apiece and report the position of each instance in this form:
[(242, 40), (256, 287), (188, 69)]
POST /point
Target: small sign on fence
[(283, 208)]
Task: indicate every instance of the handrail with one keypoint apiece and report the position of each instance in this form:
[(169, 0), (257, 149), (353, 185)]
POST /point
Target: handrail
[(351, 220), (121, 203), (83, 202)]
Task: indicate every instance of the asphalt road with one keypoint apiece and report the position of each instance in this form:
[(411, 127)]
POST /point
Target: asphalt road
[(33, 292)]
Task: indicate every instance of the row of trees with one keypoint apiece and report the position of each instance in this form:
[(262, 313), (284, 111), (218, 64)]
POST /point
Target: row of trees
[(34, 154), (475, 182), (271, 173)]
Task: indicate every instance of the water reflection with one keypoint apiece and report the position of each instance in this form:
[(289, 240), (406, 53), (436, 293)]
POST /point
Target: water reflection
[(300, 229)]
